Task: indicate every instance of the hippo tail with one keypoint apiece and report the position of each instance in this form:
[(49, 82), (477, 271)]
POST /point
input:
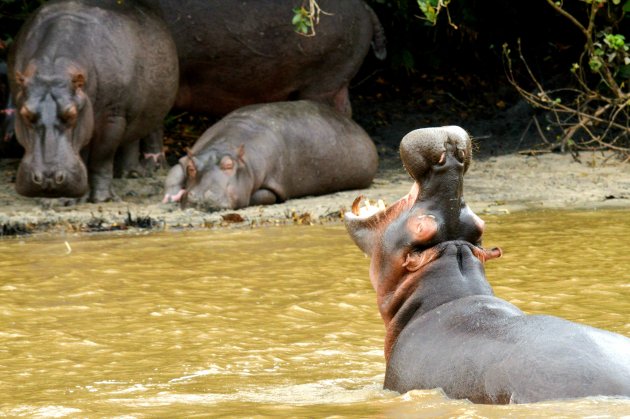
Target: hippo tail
[(379, 41)]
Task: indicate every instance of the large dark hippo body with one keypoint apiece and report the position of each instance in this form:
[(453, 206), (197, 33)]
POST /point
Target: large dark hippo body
[(234, 53), (267, 153), (444, 326), (87, 76), (7, 111)]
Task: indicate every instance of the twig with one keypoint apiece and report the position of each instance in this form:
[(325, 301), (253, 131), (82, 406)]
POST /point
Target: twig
[(540, 132)]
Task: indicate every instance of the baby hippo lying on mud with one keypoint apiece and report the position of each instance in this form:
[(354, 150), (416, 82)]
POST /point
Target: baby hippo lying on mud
[(445, 328), (268, 153)]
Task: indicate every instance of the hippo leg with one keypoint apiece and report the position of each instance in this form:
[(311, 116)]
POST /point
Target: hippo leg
[(152, 157), (339, 99), (126, 163), (140, 158), (341, 102), (263, 197), (174, 184), (101, 162)]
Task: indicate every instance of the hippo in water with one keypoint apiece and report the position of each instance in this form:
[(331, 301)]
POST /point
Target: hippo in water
[(88, 77), (268, 153), (234, 53), (444, 326)]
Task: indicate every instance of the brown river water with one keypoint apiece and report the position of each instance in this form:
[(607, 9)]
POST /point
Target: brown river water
[(269, 322)]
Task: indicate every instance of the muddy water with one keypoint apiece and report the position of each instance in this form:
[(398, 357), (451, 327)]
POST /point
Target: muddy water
[(267, 322)]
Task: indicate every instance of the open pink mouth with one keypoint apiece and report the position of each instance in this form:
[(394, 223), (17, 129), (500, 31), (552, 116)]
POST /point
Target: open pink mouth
[(376, 211)]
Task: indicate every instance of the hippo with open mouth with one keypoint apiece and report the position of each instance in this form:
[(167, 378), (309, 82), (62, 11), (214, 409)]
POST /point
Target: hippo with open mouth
[(445, 328)]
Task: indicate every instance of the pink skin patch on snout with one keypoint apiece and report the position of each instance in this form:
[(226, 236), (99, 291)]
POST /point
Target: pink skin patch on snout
[(153, 156), (173, 198)]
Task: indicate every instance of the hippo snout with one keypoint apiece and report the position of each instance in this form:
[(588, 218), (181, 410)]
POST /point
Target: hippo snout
[(204, 200), (49, 179), (423, 148), (68, 182)]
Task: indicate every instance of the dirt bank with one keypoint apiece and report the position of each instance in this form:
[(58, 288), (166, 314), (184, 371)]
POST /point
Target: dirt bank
[(498, 184)]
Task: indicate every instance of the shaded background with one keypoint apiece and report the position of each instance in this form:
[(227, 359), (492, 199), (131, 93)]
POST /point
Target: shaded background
[(433, 75)]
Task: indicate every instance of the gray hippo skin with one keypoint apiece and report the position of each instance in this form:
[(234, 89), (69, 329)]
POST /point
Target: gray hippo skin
[(7, 111), (234, 53), (87, 77), (263, 154), (444, 326)]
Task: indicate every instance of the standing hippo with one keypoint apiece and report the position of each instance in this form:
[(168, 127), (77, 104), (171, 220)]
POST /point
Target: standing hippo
[(263, 154), (88, 76), (234, 53), (445, 328)]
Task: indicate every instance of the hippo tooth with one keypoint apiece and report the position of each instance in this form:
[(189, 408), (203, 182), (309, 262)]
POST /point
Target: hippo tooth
[(363, 208), (370, 209)]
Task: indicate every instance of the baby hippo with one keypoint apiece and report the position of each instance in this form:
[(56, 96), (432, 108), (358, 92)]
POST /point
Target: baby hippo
[(267, 153)]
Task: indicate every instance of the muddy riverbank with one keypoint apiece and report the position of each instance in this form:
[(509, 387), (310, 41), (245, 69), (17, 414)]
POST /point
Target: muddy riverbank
[(497, 184)]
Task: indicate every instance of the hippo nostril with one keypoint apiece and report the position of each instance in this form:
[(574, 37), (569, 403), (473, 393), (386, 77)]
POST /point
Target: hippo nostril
[(60, 177), (37, 178)]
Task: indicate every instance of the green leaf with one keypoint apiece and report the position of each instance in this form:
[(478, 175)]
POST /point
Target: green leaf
[(595, 64), (626, 6)]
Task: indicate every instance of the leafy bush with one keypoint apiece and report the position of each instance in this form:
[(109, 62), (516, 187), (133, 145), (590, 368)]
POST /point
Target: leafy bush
[(594, 112)]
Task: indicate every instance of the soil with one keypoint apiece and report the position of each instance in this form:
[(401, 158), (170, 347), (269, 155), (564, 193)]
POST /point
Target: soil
[(506, 174)]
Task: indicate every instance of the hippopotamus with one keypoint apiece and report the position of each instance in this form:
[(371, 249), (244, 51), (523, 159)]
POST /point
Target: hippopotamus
[(444, 327), (234, 53), (267, 153), (7, 110), (88, 77)]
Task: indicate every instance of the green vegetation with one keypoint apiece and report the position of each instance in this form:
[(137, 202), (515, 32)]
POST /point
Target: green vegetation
[(570, 59), (593, 112), (12, 14)]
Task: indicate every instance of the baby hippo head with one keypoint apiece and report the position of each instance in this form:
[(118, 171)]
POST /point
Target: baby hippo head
[(212, 180)]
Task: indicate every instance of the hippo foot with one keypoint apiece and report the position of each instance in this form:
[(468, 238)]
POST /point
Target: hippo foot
[(173, 197), (132, 174), (107, 195), (48, 203)]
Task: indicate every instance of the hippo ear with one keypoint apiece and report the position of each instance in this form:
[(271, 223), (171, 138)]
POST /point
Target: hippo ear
[(78, 80), (191, 168)]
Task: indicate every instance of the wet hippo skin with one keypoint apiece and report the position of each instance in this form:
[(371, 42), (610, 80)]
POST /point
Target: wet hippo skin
[(444, 326)]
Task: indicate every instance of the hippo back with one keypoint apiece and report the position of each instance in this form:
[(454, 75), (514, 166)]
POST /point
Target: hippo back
[(487, 350), (235, 53), (308, 148)]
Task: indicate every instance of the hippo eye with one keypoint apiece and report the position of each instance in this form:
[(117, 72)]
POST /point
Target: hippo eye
[(226, 163), (69, 115), (28, 115)]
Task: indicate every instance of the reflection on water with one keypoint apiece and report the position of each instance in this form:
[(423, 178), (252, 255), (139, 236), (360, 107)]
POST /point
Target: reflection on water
[(271, 322)]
